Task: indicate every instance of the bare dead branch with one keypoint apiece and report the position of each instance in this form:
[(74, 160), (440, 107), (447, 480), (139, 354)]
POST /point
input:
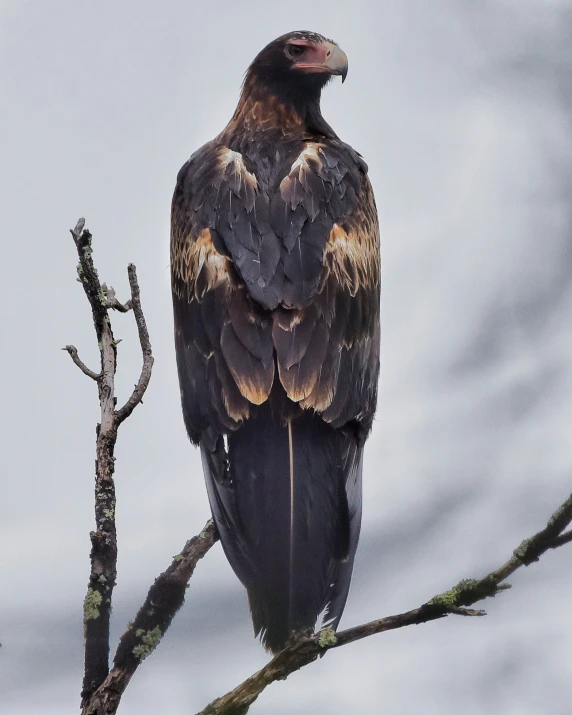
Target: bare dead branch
[(72, 351), (306, 648), (97, 604), (112, 302), (76, 232), (142, 636), (143, 383)]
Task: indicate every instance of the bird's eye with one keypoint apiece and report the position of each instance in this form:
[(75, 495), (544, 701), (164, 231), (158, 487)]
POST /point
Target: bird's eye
[(296, 51)]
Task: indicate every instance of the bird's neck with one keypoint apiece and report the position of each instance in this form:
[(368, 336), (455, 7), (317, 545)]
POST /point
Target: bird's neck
[(262, 108)]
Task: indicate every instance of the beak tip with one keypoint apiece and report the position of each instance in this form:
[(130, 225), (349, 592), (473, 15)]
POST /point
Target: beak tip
[(337, 61)]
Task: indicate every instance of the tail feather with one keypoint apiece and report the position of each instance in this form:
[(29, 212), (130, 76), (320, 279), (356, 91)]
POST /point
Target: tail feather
[(287, 502), (342, 570)]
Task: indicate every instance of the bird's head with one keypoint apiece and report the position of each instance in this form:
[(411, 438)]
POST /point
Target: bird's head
[(298, 63), (282, 86)]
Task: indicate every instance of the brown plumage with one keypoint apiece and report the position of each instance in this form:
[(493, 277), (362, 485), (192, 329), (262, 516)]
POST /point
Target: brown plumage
[(275, 275)]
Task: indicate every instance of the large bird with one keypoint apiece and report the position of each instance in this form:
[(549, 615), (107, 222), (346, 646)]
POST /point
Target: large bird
[(275, 276)]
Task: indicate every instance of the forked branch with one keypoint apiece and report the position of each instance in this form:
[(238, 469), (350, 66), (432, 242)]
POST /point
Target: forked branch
[(142, 636), (97, 604)]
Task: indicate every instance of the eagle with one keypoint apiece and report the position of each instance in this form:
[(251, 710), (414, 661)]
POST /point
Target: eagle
[(275, 269)]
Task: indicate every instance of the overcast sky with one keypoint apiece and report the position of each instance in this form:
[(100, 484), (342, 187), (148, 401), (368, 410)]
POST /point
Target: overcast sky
[(463, 113)]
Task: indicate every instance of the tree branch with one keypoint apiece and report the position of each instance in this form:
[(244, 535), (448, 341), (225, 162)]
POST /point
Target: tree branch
[(304, 648), (560, 540), (142, 636), (141, 386), (97, 604), (72, 351), (112, 302)]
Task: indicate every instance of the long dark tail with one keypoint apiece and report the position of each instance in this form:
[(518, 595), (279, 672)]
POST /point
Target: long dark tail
[(287, 503)]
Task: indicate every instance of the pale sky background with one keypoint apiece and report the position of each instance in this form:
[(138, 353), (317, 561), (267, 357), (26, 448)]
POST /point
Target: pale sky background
[(462, 110)]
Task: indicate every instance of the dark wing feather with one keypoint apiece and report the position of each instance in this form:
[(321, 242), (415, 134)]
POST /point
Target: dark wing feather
[(328, 352), (223, 338)]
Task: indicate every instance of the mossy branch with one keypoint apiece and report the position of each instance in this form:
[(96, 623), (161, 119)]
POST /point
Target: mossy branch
[(306, 648), (143, 635)]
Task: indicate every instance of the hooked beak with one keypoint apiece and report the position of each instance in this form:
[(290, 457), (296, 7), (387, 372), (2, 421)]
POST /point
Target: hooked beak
[(334, 62)]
